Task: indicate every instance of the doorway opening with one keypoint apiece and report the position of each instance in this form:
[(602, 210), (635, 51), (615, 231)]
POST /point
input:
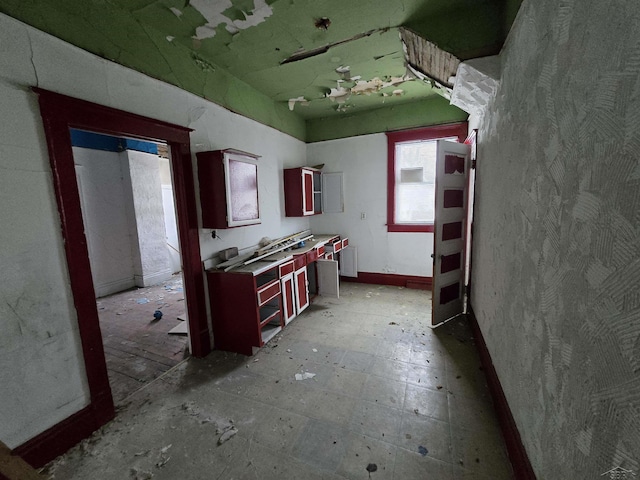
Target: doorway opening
[(128, 211), (60, 114)]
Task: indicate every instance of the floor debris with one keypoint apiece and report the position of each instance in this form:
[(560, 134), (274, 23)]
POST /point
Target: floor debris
[(227, 434), (422, 451), (163, 457), (304, 376)]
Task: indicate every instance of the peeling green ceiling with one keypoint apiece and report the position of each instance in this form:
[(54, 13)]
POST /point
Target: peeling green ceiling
[(232, 52)]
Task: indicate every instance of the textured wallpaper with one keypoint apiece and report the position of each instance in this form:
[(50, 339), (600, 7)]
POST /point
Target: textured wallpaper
[(556, 267)]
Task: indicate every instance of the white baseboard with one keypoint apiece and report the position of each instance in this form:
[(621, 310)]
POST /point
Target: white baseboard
[(153, 278), (107, 288)]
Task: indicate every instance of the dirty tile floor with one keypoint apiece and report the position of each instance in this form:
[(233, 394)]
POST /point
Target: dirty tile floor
[(137, 346), (390, 399)]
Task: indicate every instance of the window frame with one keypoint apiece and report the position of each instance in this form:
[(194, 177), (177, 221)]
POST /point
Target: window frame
[(436, 132)]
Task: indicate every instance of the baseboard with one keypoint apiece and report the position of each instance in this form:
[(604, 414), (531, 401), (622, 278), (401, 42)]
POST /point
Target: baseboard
[(55, 441), (115, 286), (408, 281), (153, 278), (517, 453)]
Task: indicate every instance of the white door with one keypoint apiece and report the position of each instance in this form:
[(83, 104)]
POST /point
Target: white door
[(288, 294), (450, 231), (328, 280)]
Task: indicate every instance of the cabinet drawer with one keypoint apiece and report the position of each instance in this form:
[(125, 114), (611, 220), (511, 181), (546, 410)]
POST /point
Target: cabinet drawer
[(267, 292), (320, 251), (286, 268), (345, 242), (328, 256), (312, 256), (299, 261), (336, 246)]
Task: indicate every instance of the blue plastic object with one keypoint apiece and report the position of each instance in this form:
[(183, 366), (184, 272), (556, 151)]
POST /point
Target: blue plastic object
[(157, 314)]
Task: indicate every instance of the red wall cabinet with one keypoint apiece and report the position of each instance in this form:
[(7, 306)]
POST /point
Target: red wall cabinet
[(302, 191), (228, 188)]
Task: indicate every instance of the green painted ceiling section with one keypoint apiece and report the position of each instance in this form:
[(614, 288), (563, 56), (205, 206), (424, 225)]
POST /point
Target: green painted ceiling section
[(207, 48)]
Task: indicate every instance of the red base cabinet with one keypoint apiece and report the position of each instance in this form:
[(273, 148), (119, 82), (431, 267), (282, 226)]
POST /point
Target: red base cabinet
[(246, 309), (252, 303)]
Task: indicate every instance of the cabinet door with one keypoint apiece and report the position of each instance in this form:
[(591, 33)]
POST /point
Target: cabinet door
[(288, 294), (302, 289), (307, 192), (328, 281)]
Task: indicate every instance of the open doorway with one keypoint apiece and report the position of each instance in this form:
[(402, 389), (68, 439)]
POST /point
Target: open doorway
[(128, 211), (60, 114)]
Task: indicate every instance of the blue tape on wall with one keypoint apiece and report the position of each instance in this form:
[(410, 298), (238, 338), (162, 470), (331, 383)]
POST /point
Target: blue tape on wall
[(98, 141)]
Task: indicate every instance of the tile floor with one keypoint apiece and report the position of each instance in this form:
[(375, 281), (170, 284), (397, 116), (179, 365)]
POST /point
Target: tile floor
[(391, 399), (137, 347)]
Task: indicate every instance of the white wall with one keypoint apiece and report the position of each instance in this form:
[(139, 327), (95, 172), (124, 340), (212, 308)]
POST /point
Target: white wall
[(363, 160), (151, 260), (168, 206), (106, 219), (556, 265), (42, 374)]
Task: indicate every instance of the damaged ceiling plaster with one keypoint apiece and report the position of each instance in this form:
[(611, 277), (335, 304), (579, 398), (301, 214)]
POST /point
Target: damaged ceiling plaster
[(266, 59)]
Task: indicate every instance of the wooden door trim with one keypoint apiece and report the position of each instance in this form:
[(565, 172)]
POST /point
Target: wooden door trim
[(59, 114)]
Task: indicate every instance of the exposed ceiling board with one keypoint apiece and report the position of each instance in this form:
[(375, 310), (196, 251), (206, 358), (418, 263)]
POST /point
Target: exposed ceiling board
[(237, 62), (428, 59)]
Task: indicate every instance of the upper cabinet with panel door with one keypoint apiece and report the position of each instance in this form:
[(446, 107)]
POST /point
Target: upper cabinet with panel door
[(302, 191), (228, 188)]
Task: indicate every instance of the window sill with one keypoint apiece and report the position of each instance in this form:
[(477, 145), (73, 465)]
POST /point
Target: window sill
[(396, 227)]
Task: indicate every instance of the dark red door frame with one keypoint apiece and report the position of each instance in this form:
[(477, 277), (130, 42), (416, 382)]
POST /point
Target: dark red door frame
[(59, 114)]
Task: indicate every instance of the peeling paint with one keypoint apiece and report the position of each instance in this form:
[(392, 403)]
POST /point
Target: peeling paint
[(339, 94), (213, 12), (202, 63), (363, 87), (344, 72), (301, 100)]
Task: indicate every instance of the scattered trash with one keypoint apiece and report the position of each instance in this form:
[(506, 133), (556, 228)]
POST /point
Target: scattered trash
[(315, 350), (163, 459), (422, 451), (255, 360), (393, 323), (141, 301), (415, 410), (439, 387), (157, 314), (228, 433), (304, 376), (288, 350)]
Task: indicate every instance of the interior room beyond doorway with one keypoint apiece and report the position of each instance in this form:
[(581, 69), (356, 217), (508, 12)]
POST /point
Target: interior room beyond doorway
[(128, 211)]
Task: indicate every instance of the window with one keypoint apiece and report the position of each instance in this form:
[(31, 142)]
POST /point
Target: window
[(411, 176)]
